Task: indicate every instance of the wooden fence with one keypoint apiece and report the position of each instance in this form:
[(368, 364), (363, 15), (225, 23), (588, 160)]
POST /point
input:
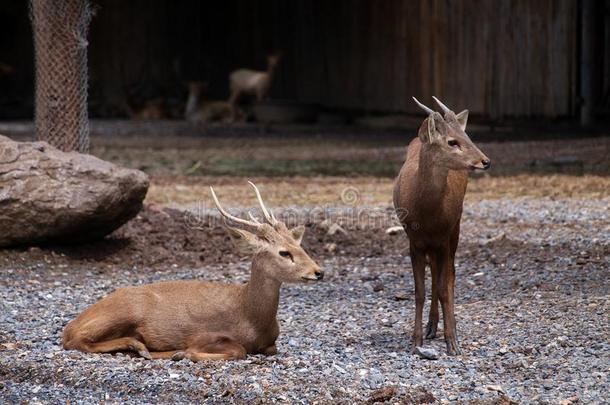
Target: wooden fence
[(496, 57)]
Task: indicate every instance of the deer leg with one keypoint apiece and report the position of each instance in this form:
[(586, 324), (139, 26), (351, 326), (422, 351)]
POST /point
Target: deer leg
[(235, 94), (433, 317), (214, 347), (270, 350), (170, 354), (226, 352), (116, 345), (453, 244), (446, 293), (418, 261)]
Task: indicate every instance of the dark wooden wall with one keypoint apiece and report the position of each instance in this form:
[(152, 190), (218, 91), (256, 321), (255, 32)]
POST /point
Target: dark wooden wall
[(604, 64), (16, 50), (496, 57)]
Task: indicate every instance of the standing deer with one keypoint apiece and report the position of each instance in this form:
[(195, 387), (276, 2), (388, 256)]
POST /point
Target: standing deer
[(428, 199), (200, 320), (252, 82)]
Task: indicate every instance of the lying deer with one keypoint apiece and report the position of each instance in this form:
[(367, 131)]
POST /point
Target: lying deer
[(148, 110), (200, 320), (252, 82), (428, 198), (199, 110)]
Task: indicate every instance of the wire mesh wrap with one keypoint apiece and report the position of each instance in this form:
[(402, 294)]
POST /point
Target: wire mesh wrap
[(60, 39)]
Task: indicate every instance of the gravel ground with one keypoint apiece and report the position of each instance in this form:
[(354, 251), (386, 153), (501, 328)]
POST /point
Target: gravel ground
[(532, 310)]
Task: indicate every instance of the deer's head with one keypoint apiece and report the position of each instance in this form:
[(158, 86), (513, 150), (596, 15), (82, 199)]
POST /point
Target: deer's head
[(277, 248), (447, 140), (273, 60)]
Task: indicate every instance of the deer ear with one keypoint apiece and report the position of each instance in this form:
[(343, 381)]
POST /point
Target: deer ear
[(462, 119), (297, 233), (427, 130), (428, 133), (244, 241)]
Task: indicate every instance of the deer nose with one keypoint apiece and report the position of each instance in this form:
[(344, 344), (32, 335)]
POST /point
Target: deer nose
[(319, 274), (486, 163)]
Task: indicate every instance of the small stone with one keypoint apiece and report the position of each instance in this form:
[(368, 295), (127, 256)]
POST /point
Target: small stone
[(382, 395), (401, 296), (394, 230), (330, 247), (339, 368), (378, 286), (496, 238), (9, 346), (335, 229), (325, 224), (495, 388), (427, 353)]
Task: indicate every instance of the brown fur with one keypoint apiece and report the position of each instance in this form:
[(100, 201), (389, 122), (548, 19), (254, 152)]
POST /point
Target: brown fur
[(428, 198), (150, 110), (201, 320), (199, 110)]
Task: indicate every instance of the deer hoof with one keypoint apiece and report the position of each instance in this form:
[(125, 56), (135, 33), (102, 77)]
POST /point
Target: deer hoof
[(415, 346), (431, 331), (453, 349), (144, 353), (178, 356), (417, 340)]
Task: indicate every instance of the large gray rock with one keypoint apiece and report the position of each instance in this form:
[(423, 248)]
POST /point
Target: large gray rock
[(49, 196)]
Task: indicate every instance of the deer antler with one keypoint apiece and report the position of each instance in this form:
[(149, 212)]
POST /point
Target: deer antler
[(443, 106), (253, 224), (267, 213), (423, 107), (253, 218)]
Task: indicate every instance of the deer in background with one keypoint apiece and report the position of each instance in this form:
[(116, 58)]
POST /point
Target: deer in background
[(200, 110), (428, 199), (142, 102), (252, 82), (200, 320), (148, 110)]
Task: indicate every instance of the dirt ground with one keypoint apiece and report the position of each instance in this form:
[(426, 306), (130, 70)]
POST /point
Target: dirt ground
[(532, 277)]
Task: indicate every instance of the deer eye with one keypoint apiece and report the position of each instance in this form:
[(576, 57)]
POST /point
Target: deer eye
[(286, 254), (452, 142)]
